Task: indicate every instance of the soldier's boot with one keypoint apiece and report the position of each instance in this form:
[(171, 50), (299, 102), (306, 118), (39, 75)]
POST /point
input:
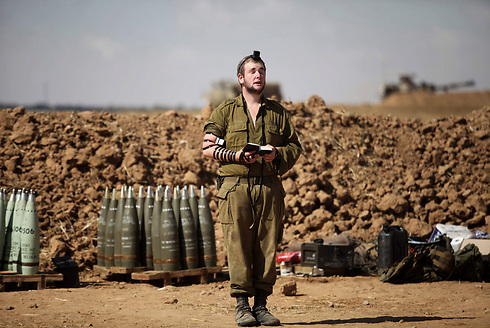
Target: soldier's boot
[(243, 315), (263, 316)]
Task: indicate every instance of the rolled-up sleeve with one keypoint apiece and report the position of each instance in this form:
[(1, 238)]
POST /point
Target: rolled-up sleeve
[(215, 123)]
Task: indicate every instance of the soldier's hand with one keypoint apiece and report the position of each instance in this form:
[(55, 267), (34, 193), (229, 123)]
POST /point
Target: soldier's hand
[(270, 157), (248, 157)]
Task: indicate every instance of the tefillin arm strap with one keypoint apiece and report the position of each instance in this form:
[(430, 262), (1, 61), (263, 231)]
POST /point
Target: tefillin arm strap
[(220, 152)]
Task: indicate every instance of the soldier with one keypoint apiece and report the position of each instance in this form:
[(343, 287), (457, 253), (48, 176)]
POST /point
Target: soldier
[(251, 195)]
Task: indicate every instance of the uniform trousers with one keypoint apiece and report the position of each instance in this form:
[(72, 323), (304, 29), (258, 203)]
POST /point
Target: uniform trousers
[(251, 234)]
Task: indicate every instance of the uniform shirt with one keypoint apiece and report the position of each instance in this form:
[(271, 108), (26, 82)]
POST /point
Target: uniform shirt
[(232, 122)]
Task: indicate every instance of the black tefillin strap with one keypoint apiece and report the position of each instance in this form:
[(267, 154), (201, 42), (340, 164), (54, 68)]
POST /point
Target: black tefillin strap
[(249, 178)]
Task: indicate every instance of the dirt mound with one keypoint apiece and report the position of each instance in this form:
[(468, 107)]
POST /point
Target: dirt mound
[(357, 172)]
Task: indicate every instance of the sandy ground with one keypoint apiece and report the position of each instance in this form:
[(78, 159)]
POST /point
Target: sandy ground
[(336, 301)]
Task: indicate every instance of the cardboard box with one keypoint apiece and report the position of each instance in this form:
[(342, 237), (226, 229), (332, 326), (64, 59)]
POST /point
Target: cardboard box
[(482, 244)]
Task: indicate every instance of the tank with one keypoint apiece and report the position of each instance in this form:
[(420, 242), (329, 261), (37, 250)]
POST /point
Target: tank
[(392, 246), (220, 91), (407, 84)]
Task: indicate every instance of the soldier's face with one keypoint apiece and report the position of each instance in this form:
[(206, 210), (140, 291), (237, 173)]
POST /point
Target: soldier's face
[(254, 77)]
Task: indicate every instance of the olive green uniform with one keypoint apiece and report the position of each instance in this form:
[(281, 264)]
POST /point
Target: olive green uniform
[(250, 208)]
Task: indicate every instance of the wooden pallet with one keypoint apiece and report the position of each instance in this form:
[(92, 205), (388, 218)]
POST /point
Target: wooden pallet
[(167, 276), (106, 273), (39, 280), (8, 272)]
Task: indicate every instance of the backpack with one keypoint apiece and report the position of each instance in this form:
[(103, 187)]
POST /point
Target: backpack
[(469, 264), (433, 263)]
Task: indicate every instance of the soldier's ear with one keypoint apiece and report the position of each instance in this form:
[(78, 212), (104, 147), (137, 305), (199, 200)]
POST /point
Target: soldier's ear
[(240, 78)]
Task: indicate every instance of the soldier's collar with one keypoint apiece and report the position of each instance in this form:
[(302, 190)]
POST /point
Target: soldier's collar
[(241, 99)]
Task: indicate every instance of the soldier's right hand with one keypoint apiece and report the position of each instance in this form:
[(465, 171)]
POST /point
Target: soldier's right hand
[(248, 157)]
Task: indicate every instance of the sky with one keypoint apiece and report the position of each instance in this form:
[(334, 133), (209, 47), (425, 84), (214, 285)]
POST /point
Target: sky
[(154, 52)]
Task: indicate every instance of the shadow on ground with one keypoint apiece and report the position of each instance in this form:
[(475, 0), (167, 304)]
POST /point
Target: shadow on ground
[(380, 319)]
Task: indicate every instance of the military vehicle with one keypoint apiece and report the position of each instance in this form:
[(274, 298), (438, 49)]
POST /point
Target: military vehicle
[(223, 90), (407, 85)]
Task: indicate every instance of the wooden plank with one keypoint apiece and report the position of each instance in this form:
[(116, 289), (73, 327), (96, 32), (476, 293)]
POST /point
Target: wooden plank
[(8, 272), (105, 272), (39, 279), (149, 275), (121, 270), (32, 277), (168, 275), (187, 273)]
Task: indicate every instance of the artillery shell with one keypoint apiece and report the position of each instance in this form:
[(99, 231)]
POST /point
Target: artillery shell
[(9, 215), (130, 235), (169, 236), (206, 234), (109, 231), (118, 229), (20, 205), (104, 208), (150, 202), (3, 208), (189, 254), (29, 240), (140, 211)]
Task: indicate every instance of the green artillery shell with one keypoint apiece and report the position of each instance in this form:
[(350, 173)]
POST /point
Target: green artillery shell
[(169, 236), (109, 231), (140, 211), (189, 255), (130, 236), (176, 205), (9, 213), (4, 197), (150, 203), (118, 229), (194, 203), (20, 206), (104, 208), (206, 235), (29, 240), (140, 204), (3, 205)]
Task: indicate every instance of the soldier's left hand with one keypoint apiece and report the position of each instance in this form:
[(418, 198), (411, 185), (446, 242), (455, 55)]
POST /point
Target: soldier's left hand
[(270, 157)]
